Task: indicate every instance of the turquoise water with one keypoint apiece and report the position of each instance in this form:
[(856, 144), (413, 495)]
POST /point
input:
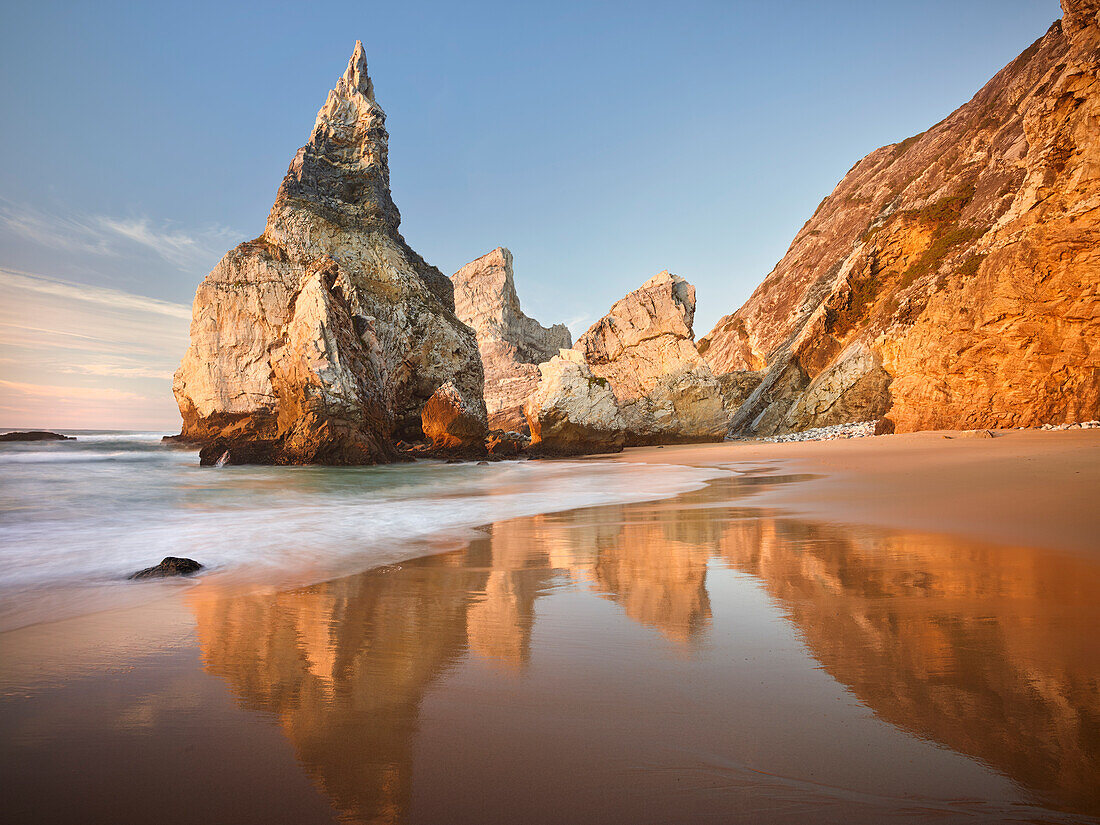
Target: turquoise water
[(77, 517)]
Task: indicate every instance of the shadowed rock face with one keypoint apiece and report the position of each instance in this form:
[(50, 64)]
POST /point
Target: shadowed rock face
[(323, 338), (511, 344), (949, 281)]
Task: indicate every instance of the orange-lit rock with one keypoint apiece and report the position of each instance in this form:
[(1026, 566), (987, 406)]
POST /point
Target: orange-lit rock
[(951, 280)]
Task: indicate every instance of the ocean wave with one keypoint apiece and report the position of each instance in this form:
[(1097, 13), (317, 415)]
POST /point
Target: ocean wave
[(61, 526), (65, 456)]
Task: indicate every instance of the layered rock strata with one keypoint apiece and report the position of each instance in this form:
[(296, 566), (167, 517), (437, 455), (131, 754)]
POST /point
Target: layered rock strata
[(950, 280), (511, 344), (322, 339)]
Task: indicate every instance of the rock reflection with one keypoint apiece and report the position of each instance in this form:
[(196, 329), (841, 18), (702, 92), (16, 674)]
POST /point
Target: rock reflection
[(987, 650)]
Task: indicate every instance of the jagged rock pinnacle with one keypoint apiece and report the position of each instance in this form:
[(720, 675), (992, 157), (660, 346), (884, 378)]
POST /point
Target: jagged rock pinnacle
[(355, 76), (343, 172), (322, 340)]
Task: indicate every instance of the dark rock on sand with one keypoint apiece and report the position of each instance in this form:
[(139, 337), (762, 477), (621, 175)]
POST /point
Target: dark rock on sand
[(170, 566)]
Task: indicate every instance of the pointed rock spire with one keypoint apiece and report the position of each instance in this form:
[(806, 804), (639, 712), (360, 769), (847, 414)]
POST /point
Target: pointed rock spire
[(343, 172), (355, 76)]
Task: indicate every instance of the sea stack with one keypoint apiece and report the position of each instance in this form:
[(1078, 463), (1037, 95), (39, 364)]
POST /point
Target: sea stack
[(511, 344), (634, 378), (321, 340), (950, 280)]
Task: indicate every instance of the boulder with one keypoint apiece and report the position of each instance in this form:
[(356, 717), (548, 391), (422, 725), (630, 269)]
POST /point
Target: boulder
[(645, 349), (504, 444), (451, 421), (169, 566), (573, 411), (321, 340), (511, 344)]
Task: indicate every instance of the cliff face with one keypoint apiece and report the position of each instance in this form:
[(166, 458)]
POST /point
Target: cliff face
[(321, 340), (511, 344), (952, 279)]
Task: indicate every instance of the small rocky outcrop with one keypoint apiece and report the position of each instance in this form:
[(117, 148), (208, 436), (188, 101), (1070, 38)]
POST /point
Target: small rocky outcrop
[(322, 340), (950, 280), (645, 349), (169, 566), (503, 444), (452, 422), (511, 344), (35, 435), (573, 411)]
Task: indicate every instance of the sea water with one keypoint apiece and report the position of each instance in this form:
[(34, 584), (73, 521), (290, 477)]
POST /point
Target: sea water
[(77, 517)]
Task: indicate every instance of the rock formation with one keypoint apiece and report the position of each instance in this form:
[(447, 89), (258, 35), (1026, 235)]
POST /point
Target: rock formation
[(950, 280), (169, 566), (645, 349), (452, 422), (321, 340), (572, 411), (511, 344), (35, 435)]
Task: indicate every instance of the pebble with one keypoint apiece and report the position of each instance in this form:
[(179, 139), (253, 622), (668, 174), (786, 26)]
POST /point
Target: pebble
[(1081, 425), (862, 429)]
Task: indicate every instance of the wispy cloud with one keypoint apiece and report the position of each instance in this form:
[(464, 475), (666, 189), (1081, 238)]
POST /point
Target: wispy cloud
[(179, 248), (26, 281), (117, 371), (112, 236), (45, 391), (73, 234), (578, 325), (78, 356)]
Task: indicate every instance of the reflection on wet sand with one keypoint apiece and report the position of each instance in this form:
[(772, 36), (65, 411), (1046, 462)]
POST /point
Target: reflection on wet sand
[(987, 650)]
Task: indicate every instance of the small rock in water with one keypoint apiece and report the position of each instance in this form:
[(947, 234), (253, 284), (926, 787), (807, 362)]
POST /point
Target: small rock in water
[(170, 566), (36, 435)]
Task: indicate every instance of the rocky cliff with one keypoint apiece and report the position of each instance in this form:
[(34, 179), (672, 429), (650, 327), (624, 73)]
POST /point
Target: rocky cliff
[(322, 339), (952, 279), (511, 344), (635, 377)]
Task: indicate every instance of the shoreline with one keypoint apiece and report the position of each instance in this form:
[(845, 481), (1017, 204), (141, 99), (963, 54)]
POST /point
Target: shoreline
[(564, 628), (1021, 487)]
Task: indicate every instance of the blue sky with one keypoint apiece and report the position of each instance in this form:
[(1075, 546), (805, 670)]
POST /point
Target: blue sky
[(600, 142)]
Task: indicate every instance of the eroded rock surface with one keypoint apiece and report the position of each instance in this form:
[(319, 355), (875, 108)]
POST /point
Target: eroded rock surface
[(511, 344), (453, 422), (35, 435), (645, 349), (573, 411), (321, 340), (950, 281)]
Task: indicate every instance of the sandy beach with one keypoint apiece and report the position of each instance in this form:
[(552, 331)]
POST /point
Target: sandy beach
[(877, 630), (1020, 487)]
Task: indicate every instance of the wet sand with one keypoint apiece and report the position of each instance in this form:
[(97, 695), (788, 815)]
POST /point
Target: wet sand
[(1022, 486), (822, 637)]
